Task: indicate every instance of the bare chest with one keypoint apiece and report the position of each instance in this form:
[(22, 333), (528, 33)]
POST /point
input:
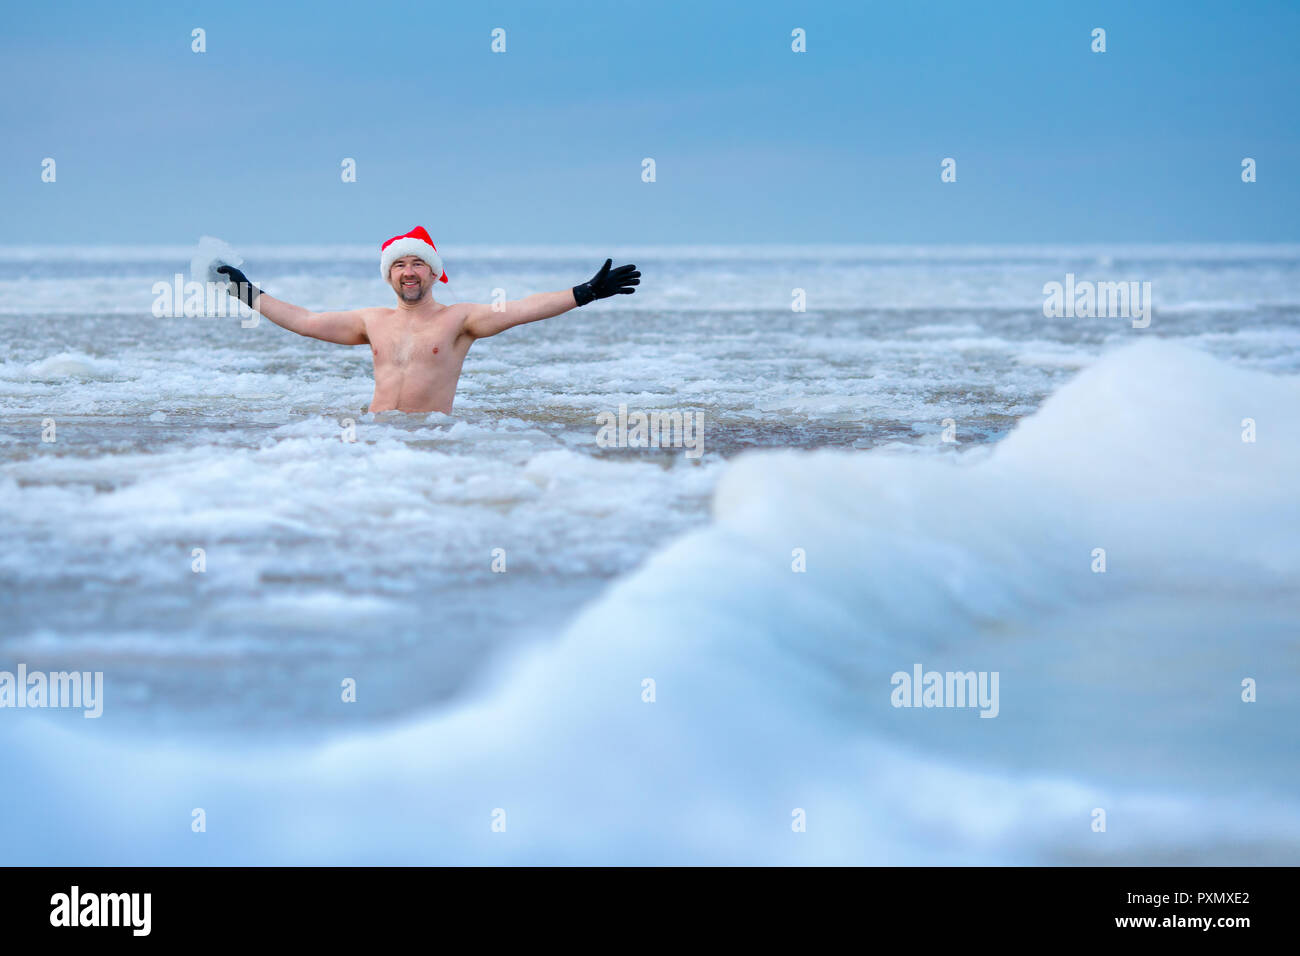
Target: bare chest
[(413, 345)]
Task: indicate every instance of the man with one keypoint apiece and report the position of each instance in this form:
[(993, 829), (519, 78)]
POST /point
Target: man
[(419, 346)]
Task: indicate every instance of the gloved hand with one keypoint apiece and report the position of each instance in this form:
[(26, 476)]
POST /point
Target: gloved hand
[(606, 283), (240, 287)]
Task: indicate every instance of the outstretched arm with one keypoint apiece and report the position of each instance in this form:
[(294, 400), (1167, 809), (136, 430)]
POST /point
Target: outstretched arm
[(482, 320), (342, 328)]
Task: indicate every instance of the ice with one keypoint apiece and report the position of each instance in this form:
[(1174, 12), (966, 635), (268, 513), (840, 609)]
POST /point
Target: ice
[(1119, 690), (211, 254)]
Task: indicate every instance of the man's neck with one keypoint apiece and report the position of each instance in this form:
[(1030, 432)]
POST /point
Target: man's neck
[(427, 305)]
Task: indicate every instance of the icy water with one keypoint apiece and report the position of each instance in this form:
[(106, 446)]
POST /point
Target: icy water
[(681, 653), (373, 559)]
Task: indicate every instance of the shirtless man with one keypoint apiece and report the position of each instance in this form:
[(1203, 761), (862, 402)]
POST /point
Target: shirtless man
[(419, 346)]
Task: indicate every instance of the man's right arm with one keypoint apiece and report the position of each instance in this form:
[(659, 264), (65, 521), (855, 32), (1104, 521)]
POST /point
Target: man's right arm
[(342, 328)]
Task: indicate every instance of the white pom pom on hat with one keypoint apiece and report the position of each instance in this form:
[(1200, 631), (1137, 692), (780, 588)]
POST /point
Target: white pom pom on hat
[(414, 243)]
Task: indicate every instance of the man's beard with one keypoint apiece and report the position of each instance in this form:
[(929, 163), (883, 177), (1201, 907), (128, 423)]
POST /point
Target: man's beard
[(411, 295)]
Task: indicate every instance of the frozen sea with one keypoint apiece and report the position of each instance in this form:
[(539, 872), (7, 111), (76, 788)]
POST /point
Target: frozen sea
[(525, 691)]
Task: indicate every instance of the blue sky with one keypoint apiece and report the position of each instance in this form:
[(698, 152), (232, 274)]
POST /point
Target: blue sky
[(753, 143)]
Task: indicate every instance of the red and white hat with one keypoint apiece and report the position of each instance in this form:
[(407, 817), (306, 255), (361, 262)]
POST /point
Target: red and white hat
[(414, 243)]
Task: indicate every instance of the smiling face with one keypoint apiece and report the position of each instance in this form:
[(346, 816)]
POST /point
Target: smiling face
[(411, 278)]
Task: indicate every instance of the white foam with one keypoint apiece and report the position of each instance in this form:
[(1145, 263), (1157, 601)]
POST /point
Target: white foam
[(70, 365)]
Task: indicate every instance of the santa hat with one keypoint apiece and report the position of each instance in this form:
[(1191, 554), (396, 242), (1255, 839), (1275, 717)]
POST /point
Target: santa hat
[(414, 243)]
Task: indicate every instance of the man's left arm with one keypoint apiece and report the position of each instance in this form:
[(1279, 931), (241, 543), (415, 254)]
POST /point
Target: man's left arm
[(483, 320)]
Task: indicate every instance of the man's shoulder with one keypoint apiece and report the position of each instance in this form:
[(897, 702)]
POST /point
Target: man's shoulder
[(374, 313), (456, 311)]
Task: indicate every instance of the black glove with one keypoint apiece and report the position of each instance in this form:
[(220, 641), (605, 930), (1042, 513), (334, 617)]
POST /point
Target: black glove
[(240, 287), (606, 283)]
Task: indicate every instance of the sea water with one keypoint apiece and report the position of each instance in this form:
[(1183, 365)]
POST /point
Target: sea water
[(918, 469)]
